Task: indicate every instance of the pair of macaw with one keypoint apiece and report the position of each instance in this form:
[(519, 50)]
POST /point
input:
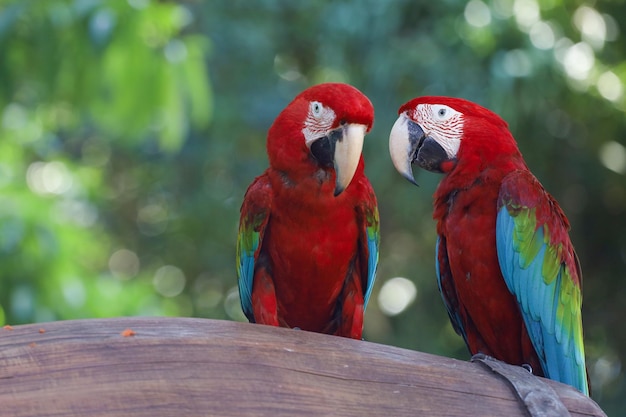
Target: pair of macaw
[(308, 239)]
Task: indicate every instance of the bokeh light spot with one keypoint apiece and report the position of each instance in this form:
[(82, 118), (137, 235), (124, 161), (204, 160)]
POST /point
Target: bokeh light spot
[(152, 219), (287, 67), (74, 292), (502, 9), (101, 25), (169, 281), (175, 51), (207, 293), (591, 25), (578, 61), (613, 156), (48, 178), (516, 63), (542, 35), (124, 264), (477, 13), (232, 305), (138, 4), (526, 13), (22, 303), (610, 86), (14, 117), (604, 371), (396, 295)]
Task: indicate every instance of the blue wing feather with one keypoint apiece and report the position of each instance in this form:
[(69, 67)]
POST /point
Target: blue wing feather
[(367, 217), (245, 269), (373, 241), (556, 333), (254, 217)]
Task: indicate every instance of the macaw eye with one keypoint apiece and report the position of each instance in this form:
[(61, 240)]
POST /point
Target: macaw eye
[(317, 108), (442, 113)]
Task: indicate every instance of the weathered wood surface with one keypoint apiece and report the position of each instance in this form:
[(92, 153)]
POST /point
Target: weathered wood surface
[(198, 367)]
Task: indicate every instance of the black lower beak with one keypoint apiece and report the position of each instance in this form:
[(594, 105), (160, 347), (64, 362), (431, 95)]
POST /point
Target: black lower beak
[(425, 151), (430, 155), (340, 150), (323, 149)]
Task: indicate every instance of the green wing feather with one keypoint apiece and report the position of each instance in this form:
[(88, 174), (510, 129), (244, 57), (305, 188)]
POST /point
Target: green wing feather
[(372, 232), (540, 268), (254, 217)]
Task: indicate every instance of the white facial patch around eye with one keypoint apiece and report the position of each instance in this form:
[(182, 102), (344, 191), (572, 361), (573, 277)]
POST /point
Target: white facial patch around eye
[(318, 122), (443, 124)]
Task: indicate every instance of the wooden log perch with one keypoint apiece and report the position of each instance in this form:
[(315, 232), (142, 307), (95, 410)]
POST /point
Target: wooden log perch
[(198, 367)]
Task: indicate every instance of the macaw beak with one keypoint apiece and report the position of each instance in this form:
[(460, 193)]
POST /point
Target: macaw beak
[(341, 149), (404, 141), (409, 144)]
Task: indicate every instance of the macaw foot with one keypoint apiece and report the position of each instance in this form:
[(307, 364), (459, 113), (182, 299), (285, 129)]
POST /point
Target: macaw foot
[(296, 328), (527, 367), (536, 396), (486, 358), (482, 357)]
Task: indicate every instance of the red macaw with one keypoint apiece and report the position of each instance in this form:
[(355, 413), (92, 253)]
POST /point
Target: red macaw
[(506, 267), (307, 249)]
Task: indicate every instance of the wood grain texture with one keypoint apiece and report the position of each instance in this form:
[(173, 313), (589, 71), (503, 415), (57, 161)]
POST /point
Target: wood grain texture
[(199, 367)]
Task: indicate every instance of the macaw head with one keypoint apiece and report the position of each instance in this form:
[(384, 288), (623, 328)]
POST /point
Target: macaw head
[(440, 134), (320, 134)]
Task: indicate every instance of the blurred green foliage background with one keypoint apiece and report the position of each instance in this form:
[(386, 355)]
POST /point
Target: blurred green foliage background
[(130, 130)]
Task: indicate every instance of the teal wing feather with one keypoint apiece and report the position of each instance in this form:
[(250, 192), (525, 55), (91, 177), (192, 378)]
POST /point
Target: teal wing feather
[(370, 241), (541, 269), (255, 213)]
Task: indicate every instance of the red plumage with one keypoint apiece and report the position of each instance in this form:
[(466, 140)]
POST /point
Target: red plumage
[(492, 321), (311, 265), (506, 267), (465, 208)]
